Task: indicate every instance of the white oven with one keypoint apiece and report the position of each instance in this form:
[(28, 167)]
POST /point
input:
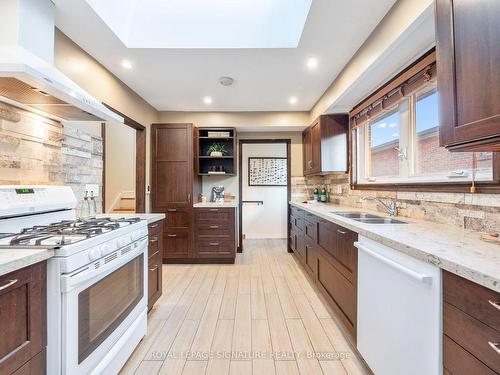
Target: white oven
[(104, 309)]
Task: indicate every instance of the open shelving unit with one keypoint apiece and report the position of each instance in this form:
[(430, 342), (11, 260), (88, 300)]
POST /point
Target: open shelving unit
[(207, 163)]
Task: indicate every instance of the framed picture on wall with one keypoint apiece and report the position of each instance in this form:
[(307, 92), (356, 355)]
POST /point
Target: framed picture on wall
[(267, 171)]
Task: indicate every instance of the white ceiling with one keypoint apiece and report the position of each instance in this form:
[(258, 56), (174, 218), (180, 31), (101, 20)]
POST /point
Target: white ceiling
[(212, 24), (265, 79)]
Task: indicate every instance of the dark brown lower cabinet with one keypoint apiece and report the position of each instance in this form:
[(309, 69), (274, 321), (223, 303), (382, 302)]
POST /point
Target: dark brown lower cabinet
[(471, 322), (327, 253), (23, 321), (215, 234), (155, 254)]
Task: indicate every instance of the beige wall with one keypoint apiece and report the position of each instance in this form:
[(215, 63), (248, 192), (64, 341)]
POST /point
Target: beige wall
[(399, 19), (89, 74), (253, 120)]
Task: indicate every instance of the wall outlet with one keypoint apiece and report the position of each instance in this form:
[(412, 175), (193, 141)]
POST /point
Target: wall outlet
[(92, 190)]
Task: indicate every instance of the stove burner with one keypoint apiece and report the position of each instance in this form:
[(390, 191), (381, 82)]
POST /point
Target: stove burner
[(66, 232)]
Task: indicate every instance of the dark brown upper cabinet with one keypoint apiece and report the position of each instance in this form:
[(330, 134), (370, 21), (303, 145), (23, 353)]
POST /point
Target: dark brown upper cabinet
[(468, 64), (325, 145)]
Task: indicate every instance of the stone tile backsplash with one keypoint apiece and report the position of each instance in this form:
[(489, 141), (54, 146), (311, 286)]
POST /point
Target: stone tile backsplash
[(478, 212), (36, 150)]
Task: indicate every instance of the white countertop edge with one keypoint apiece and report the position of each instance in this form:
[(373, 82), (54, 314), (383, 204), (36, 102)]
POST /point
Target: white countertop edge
[(14, 259), (150, 217), (215, 205), (490, 278)]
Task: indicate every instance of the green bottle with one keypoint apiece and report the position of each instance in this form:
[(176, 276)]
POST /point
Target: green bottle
[(323, 194), (316, 194)]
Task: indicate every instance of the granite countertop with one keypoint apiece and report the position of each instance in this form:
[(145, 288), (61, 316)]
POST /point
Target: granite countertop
[(453, 249), (151, 217), (215, 204), (15, 259)]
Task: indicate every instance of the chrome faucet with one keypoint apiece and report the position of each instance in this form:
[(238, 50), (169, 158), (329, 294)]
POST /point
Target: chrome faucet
[(391, 208)]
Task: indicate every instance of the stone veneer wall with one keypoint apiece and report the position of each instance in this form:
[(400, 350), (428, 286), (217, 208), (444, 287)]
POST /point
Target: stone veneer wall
[(479, 212), (36, 150)]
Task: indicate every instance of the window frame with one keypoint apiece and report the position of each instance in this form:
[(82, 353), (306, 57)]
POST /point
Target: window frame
[(492, 186)]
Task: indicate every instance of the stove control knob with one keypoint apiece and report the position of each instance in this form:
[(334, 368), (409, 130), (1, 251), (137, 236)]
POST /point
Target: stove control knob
[(106, 249), (94, 254), (123, 241)]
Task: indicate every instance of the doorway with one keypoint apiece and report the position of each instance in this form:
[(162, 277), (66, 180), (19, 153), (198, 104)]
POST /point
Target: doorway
[(264, 188), (137, 147)]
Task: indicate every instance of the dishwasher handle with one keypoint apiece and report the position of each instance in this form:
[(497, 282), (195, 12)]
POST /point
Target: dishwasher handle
[(413, 274)]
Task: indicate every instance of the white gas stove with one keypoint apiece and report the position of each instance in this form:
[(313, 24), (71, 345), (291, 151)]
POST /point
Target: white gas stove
[(96, 283)]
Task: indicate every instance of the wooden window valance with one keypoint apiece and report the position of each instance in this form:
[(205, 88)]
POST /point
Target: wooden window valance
[(411, 80)]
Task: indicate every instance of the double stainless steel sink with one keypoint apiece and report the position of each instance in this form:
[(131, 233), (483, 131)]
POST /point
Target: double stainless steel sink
[(367, 218)]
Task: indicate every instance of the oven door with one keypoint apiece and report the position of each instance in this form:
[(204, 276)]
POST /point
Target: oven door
[(100, 303)]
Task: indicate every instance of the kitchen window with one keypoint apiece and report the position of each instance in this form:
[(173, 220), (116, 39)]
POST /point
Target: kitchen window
[(395, 138)]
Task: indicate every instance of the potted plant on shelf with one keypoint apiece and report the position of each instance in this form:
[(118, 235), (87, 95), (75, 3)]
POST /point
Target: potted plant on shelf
[(217, 150)]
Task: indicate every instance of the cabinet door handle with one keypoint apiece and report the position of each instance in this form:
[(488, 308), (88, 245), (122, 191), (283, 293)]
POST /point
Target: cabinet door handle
[(214, 244), (172, 210), (153, 269), (152, 255), (310, 163), (153, 240), (494, 346), (189, 197), (9, 283), (153, 225), (171, 235), (494, 304), (341, 231), (214, 209), (214, 226)]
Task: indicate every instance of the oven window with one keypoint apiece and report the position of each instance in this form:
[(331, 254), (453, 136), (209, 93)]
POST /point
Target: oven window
[(105, 304)]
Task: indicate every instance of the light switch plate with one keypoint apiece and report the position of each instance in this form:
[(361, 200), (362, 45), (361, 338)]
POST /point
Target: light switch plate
[(92, 190)]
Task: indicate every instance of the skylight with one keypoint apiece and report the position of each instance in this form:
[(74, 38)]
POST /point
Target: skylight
[(205, 23)]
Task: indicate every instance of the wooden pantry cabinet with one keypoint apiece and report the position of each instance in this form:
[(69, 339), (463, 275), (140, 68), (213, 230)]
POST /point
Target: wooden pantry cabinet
[(174, 183), (468, 64), (326, 252), (23, 321), (325, 145)]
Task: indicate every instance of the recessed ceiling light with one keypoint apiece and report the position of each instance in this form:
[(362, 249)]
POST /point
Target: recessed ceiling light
[(127, 64), (207, 100), (293, 100), (312, 63)]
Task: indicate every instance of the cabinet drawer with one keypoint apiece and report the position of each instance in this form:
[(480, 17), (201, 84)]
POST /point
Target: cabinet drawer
[(177, 218), (310, 258), (297, 212), (176, 243), (311, 218), (298, 245), (216, 248), (311, 231), (155, 228), (22, 316), (154, 245), (458, 361), (474, 336), (474, 299), (338, 290), (215, 230), (154, 279), (215, 214), (297, 223)]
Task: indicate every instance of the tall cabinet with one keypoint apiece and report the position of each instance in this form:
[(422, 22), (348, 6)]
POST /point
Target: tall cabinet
[(173, 186)]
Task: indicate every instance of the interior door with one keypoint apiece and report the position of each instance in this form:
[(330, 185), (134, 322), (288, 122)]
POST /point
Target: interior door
[(264, 207)]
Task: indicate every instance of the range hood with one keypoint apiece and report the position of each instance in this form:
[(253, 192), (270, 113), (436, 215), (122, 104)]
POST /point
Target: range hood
[(28, 78)]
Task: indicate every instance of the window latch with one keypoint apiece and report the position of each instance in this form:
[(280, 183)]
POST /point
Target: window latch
[(402, 153)]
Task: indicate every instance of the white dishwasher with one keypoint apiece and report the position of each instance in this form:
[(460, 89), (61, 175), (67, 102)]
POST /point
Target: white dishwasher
[(399, 329)]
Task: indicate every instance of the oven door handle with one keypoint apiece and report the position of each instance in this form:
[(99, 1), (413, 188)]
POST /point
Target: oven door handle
[(79, 277)]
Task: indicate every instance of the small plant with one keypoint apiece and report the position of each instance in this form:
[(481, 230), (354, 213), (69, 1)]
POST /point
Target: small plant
[(217, 149)]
